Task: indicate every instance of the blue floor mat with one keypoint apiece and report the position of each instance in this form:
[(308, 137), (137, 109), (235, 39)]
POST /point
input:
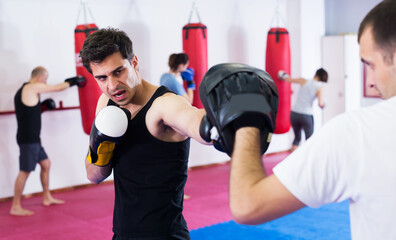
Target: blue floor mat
[(330, 222)]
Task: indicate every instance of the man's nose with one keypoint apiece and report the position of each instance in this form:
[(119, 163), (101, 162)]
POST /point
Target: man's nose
[(112, 83), (369, 78)]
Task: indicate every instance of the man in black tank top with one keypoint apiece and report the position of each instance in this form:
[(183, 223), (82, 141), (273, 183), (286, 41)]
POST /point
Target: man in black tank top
[(150, 163), (28, 109)]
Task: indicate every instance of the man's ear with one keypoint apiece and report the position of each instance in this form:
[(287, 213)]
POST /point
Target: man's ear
[(135, 63), (394, 58)]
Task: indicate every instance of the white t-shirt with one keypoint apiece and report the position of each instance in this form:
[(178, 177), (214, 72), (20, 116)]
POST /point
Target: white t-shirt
[(352, 157), (305, 97)]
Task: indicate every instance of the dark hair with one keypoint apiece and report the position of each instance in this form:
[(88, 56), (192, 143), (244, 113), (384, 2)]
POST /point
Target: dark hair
[(176, 59), (322, 75), (103, 43), (382, 21)]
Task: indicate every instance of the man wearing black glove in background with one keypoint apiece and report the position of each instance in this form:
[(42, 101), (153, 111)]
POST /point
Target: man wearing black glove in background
[(28, 108)]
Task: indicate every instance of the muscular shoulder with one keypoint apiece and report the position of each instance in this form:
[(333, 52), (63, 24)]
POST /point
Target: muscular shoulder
[(30, 93), (33, 87), (166, 105)]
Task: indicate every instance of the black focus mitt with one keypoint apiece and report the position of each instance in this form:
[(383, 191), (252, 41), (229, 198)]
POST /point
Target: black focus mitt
[(237, 95)]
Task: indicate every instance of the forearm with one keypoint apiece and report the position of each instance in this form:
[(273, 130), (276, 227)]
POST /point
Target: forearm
[(319, 95), (254, 197), (321, 103), (57, 88), (195, 126), (181, 116), (62, 86), (246, 172), (190, 95), (43, 88), (97, 174), (186, 121), (300, 81)]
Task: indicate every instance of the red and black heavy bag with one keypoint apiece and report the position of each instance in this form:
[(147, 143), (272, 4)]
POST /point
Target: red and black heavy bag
[(196, 47), (90, 93), (278, 58)]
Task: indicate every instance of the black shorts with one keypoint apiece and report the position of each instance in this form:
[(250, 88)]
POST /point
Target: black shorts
[(29, 155)]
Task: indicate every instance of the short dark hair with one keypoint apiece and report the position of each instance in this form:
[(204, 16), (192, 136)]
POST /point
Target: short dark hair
[(176, 59), (382, 20), (103, 43), (322, 75)]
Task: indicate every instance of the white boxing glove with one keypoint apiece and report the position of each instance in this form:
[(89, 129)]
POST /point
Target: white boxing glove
[(282, 75), (108, 129)]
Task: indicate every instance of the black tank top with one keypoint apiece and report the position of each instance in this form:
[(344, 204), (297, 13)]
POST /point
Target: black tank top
[(149, 180), (28, 118)]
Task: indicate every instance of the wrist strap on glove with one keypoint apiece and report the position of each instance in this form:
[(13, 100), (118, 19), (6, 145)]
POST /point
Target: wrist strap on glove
[(103, 155)]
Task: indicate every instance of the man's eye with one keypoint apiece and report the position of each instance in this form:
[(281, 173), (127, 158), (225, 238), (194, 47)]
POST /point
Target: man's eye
[(371, 66)]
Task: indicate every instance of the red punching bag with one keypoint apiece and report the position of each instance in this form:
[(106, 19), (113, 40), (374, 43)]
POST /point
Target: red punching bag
[(90, 93), (278, 58), (196, 47)]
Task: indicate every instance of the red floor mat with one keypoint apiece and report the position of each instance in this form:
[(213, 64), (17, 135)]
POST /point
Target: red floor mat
[(87, 213)]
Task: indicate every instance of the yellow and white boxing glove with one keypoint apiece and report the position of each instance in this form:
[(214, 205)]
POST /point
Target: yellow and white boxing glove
[(107, 130)]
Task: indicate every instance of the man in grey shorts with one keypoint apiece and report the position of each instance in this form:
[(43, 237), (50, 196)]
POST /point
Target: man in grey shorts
[(28, 108)]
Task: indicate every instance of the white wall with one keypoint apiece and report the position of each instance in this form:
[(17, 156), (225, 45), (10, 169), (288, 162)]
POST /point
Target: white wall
[(345, 16), (312, 30), (305, 23), (41, 32)]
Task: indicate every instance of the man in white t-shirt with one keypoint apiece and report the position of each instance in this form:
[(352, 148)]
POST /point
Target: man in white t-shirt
[(353, 157)]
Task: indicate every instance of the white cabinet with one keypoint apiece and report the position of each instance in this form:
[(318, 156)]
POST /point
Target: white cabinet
[(343, 91)]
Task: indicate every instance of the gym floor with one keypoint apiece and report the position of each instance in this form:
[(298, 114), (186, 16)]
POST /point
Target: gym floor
[(87, 213)]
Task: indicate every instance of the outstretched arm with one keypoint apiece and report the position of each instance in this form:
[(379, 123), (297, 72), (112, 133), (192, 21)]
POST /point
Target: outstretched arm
[(96, 174), (189, 95), (283, 76), (41, 87), (254, 197), (300, 81), (177, 113), (38, 88)]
